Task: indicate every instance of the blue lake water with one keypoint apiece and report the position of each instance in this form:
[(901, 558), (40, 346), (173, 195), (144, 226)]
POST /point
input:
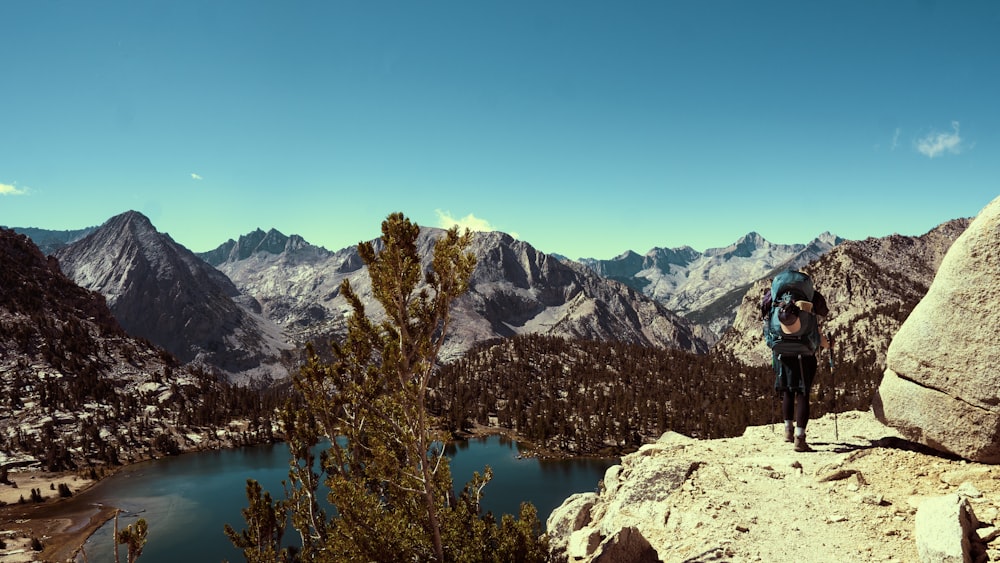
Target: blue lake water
[(187, 499)]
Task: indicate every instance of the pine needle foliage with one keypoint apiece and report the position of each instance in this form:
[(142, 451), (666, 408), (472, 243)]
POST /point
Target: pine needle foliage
[(385, 467), (265, 520), (133, 537)]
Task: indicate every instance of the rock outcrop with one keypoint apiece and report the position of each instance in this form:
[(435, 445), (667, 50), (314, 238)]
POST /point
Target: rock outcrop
[(941, 386), (863, 495), (945, 526)]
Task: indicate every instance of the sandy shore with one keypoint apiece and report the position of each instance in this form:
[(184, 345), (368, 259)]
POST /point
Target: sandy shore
[(61, 524)]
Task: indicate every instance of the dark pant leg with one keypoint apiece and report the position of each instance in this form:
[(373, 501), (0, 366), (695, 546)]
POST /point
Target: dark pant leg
[(801, 410), (787, 404)]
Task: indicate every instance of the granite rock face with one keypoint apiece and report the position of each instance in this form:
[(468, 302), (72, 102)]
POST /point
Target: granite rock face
[(754, 498), (515, 289), (941, 385), (943, 528), (161, 291)]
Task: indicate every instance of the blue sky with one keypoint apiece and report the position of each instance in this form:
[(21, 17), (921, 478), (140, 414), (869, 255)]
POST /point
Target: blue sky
[(584, 128)]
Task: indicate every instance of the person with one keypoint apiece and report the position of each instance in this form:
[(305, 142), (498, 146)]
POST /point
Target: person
[(794, 373)]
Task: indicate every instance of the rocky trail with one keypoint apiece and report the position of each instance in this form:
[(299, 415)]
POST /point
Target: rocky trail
[(753, 498)]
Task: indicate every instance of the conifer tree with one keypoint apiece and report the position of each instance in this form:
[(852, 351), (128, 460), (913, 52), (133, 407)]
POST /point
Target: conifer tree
[(261, 540), (385, 468), (133, 537)]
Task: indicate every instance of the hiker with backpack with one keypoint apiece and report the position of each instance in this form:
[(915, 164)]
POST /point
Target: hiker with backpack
[(790, 311)]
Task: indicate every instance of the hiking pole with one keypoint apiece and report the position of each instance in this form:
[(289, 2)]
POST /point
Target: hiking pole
[(833, 380)]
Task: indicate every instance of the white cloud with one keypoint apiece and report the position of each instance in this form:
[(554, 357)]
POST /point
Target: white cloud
[(895, 139), (12, 189), (470, 222), (195, 176), (934, 145)]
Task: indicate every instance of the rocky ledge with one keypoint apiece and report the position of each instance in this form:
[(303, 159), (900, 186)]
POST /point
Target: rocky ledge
[(864, 494)]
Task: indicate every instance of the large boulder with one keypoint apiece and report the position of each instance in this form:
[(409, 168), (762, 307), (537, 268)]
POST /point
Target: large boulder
[(941, 385), (564, 524), (944, 526), (634, 500)]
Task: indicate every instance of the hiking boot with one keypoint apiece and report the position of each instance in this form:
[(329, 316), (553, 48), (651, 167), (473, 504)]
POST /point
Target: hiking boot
[(789, 435), (801, 445)]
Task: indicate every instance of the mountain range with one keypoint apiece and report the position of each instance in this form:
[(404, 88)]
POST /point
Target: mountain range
[(49, 241), (127, 318), (514, 290), (706, 287), (244, 306)]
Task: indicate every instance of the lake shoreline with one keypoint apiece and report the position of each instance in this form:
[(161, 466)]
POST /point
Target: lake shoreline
[(65, 524), (62, 525), (531, 449)]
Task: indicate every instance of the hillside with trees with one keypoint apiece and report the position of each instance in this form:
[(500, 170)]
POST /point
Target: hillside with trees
[(587, 397), (78, 392)]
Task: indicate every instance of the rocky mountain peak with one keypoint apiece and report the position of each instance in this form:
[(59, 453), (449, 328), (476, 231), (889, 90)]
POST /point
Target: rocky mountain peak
[(272, 243), (829, 238), (516, 289), (78, 391), (744, 247), (628, 255), (295, 242), (132, 220), (134, 228), (110, 257), (159, 290), (663, 258)]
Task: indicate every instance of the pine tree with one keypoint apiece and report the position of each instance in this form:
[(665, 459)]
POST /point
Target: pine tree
[(133, 537), (385, 467), (261, 540)]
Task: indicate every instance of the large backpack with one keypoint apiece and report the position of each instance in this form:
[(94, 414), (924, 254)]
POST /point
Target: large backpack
[(787, 288)]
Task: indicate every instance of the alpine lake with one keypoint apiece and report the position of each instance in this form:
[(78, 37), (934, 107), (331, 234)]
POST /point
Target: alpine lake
[(187, 499)]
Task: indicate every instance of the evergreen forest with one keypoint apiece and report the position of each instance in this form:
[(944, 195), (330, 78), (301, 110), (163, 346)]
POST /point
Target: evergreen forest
[(598, 398)]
